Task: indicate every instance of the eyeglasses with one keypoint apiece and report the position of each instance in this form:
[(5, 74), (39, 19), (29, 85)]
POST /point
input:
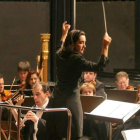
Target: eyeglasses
[(122, 83)]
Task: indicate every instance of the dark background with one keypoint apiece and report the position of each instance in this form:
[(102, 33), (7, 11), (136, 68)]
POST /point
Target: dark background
[(22, 22)]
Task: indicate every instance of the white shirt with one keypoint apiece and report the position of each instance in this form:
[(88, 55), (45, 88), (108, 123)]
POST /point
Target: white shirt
[(39, 115)]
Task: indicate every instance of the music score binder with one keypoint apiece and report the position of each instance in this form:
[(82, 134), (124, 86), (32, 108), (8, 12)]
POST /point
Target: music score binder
[(113, 111)]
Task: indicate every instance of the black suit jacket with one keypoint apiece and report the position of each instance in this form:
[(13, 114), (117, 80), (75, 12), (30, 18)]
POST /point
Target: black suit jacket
[(28, 130), (100, 89)]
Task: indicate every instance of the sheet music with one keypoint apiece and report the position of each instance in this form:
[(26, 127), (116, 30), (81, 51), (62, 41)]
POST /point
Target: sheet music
[(115, 109), (133, 134)]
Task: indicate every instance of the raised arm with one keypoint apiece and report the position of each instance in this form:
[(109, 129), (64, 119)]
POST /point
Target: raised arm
[(105, 46), (65, 29)]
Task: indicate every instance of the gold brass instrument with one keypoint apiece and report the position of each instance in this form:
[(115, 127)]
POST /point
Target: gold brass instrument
[(42, 60)]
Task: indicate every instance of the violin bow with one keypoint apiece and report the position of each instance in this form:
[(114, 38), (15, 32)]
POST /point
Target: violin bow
[(104, 16), (12, 83)]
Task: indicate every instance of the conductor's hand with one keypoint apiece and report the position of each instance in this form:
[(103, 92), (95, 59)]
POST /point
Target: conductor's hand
[(31, 116), (65, 28), (106, 41)]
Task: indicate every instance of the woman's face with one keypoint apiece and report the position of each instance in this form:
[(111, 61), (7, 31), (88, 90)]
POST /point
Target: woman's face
[(80, 45), (87, 91), (33, 80)]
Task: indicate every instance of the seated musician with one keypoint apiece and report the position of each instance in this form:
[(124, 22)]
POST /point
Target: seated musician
[(122, 81), (34, 123), (3, 97), (87, 89), (90, 77), (31, 79), (92, 130), (132, 123), (23, 69)]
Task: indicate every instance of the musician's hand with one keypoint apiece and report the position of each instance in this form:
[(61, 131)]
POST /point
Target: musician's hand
[(20, 101), (21, 123), (31, 116), (114, 124), (9, 102), (106, 40), (133, 117)]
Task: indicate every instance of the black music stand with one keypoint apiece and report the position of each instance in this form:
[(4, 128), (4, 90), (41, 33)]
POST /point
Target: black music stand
[(28, 102), (27, 92), (90, 102), (14, 87), (121, 95)]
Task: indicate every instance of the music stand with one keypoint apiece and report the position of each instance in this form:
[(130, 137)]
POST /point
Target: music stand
[(29, 102), (90, 102), (27, 92), (14, 87), (113, 111), (121, 95)]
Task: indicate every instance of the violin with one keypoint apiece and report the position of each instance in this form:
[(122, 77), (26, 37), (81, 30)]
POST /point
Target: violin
[(15, 97), (6, 95), (22, 85), (130, 88)]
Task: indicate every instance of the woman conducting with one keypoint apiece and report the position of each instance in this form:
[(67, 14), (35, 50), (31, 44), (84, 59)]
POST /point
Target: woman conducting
[(69, 66)]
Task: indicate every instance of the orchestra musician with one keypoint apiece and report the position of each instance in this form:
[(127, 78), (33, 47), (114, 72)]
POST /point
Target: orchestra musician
[(87, 89), (5, 95), (122, 81), (90, 77), (34, 123), (31, 79), (23, 69), (69, 66), (92, 129)]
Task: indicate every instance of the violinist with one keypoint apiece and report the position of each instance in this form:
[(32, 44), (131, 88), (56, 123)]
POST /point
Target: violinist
[(122, 81), (5, 95), (90, 77), (1, 87), (31, 79), (23, 69)]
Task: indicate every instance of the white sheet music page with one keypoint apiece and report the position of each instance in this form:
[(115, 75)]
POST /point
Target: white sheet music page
[(133, 134), (114, 109)]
